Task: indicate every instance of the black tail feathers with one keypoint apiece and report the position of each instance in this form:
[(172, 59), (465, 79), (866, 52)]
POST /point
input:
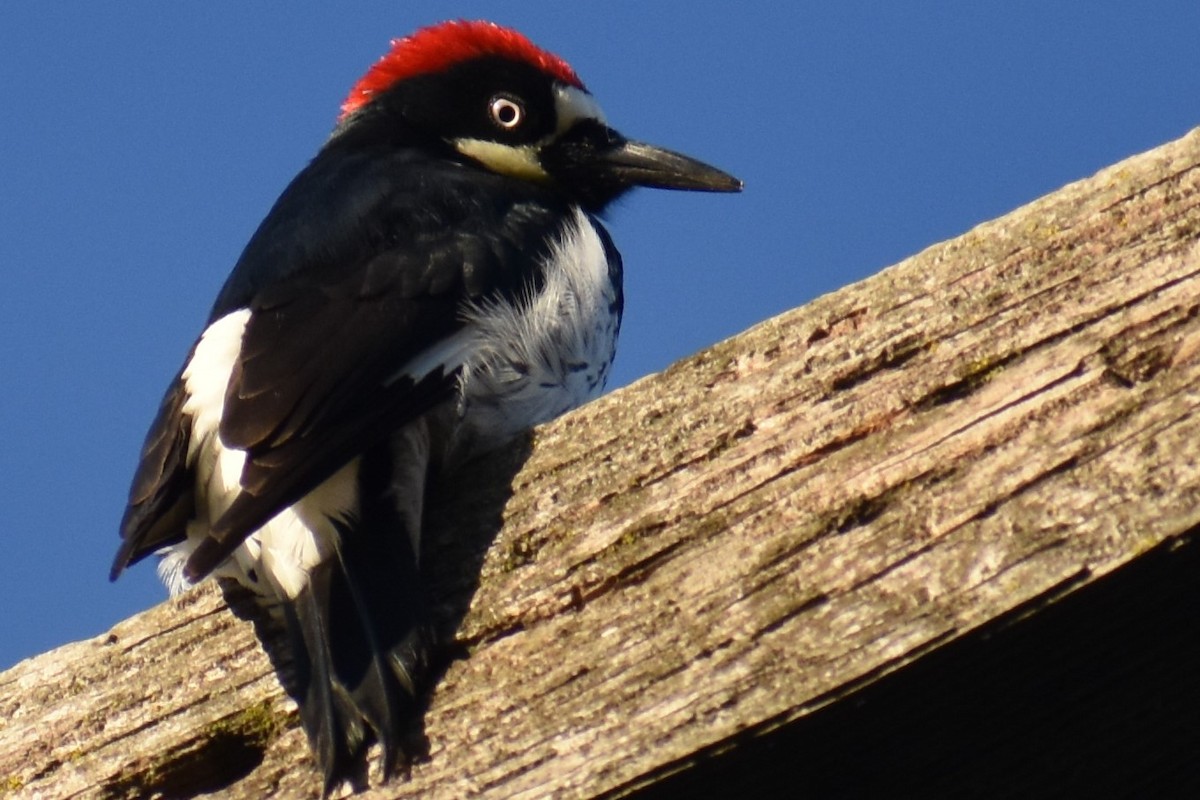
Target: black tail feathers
[(360, 644)]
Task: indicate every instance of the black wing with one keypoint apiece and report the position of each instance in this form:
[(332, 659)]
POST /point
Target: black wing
[(161, 497), (362, 266)]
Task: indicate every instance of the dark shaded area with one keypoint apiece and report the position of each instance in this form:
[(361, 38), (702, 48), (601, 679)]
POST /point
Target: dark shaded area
[(463, 515), (212, 763), (1094, 695)]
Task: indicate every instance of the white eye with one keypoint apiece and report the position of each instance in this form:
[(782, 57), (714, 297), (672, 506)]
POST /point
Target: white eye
[(506, 112)]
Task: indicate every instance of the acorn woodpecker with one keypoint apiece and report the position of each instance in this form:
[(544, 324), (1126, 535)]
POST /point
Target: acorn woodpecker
[(432, 284)]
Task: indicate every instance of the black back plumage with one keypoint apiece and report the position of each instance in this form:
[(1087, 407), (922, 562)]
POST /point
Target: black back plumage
[(363, 263)]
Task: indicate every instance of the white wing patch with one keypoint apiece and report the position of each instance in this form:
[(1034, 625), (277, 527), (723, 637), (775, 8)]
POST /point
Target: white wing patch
[(286, 548), (205, 379)]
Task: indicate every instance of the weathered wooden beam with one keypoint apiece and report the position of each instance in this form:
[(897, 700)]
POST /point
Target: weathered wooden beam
[(756, 537)]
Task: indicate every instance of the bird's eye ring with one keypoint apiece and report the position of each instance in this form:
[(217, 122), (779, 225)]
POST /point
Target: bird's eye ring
[(506, 112)]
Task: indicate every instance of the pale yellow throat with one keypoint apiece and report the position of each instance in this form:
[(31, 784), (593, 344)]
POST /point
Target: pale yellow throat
[(516, 161)]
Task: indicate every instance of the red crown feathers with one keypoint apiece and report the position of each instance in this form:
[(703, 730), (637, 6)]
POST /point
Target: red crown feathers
[(440, 46)]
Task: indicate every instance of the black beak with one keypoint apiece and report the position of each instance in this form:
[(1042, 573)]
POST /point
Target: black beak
[(597, 165), (641, 164)]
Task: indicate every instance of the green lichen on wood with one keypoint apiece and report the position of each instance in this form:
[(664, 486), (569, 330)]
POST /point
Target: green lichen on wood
[(223, 752), (257, 724), (974, 374)]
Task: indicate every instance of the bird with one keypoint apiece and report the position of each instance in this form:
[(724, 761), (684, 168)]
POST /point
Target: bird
[(435, 282)]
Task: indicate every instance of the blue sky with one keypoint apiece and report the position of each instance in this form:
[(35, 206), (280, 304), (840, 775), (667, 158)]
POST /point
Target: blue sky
[(142, 142)]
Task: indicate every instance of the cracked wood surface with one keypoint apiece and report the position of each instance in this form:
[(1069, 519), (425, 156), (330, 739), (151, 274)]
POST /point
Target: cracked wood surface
[(738, 541)]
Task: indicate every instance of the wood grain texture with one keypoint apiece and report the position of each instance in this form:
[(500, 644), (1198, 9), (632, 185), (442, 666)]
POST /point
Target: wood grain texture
[(746, 538)]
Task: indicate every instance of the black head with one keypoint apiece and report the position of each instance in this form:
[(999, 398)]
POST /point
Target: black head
[(487, 95)]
